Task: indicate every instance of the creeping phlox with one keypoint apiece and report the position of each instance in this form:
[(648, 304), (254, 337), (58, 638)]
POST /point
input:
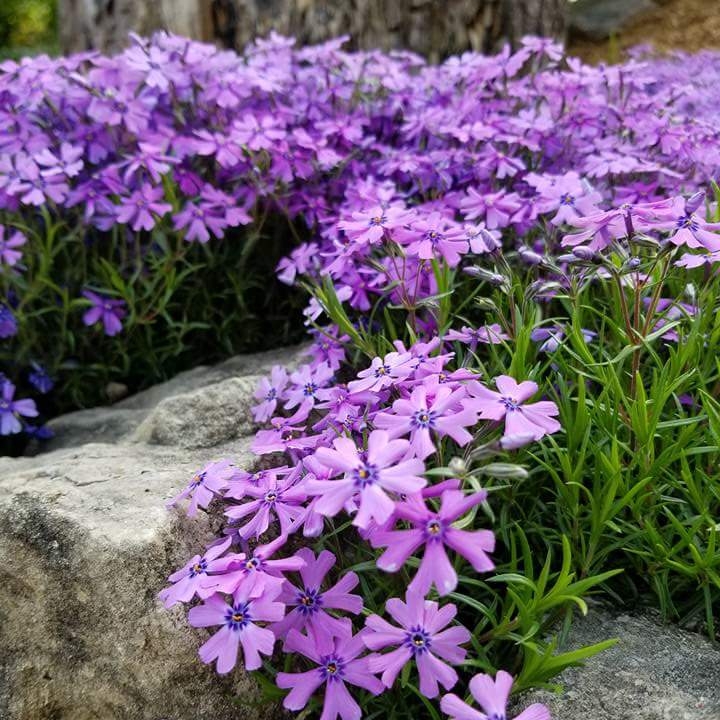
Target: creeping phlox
[(359, 449)]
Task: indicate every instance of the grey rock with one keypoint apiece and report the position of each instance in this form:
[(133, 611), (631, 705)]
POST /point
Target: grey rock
[(86, 543), (599, 19), (654, 672)]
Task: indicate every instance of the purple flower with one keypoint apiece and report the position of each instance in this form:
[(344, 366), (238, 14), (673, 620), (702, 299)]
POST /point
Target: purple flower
[(104, 309), (205, 485), (9, 254), (421, 638), (310, 602), (422, 418), (337, 662), (528, 421), (138, 209), (492, 696), (40, 379), (252, 604), (10, 409), (383, 372), (488, 334), (435, 531), (269, 391), (308, 386), (8, 323), (187, 580), (367, 477), (371, 225), (272, 496)]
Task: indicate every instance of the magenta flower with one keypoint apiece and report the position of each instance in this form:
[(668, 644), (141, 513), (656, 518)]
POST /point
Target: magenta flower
[(383, 372), (421, 638), (422, 418), (205, 485), (269, 392), (366, 477), (521, 420), (435, 236), (272, 496), (492, 696), (11, 409), (495, 208), (9, 254), (252, 604), (187, 580), (109, 311), (310, 602), (371, 225), (337, 662), (435, 532)]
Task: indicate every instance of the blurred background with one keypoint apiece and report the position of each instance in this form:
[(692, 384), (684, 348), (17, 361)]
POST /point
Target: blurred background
[(596, 30)]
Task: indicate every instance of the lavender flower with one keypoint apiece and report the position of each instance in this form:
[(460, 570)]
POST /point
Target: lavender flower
[(106, 310), (11, 409)]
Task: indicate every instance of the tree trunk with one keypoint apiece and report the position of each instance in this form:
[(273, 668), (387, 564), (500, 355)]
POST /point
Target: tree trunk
[(434, 28)]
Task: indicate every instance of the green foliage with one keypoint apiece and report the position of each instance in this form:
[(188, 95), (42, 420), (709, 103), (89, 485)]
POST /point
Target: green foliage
[(27, 26)]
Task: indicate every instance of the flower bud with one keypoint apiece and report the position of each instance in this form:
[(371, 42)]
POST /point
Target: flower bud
[(694, 202)]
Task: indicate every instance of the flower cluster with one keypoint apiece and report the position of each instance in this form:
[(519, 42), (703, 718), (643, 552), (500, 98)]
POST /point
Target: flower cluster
[(176, 139)]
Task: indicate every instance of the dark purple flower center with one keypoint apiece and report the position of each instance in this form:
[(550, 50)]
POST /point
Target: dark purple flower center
[(687, 222), (309, 601), (238, 617), (434, 236), (382, 370), (271, 497), (271, 394), (199, 568), (567, 199), (310, 389), (332, 668), (424, 419), (418, 640), (434, 529), (198, 480), (365, 475), (378, 220), (510, 403), (253, 564)]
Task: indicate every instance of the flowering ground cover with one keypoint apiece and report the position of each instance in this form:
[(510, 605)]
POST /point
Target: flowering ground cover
[(510, 399)]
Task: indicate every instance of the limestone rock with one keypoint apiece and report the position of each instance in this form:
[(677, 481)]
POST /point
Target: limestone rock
[(654, 672), (86, 543)]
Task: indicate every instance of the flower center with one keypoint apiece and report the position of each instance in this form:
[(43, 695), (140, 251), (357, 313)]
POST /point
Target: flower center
[(423, 419), (270, 497), (567, 199), (365, 475), (434, 529), (378, 220), (198, 568), (332, 668), (237, 618), (510, 403), (309, 601), (197, 480), (687, 223), (271, 394), (382, 371), (418, 640), (310, 389), (252, 564)]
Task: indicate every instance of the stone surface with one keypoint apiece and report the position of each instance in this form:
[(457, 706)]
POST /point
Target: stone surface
[(599, 19), (86, 543), (654, 672)]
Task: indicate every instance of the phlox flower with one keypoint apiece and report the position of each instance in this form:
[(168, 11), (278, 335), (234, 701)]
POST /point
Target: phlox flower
[(205, 485), (285, 436), (11, 409), (309, 602), (496, 208), (530, 421), (138, 209), (39, 379), (434, 531), (337, 660), (227, 573), (488, 334), (269, 391), (371, 225), (421, 638), (187, 580), (9, 253), (492, 696), (367, 477), (308, 386), (8, 322), (423, 417), (251, 604), (686, 226), (383, 372), (272, 496), (434, 236), (106, 310)]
